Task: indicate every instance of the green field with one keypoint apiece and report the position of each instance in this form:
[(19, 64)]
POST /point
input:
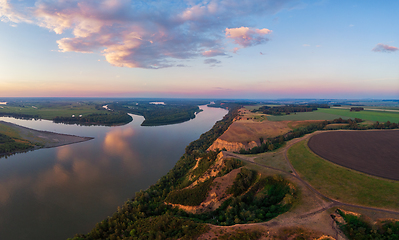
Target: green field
[(49, 112), (300, 116), (365, 115), (341, 183), (333, 113)]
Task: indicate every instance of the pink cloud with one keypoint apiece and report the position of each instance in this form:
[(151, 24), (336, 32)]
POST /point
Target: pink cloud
[(213, 53), (384, 48), (144, 34), (246, 37)]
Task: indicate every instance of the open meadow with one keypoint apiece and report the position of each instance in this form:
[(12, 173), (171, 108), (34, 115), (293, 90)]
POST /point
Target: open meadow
[(334, 113), (50, 111), (380, 116)]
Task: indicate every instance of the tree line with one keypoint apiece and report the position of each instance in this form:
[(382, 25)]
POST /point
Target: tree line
[(96, 119), (20, 116), (288, 109)]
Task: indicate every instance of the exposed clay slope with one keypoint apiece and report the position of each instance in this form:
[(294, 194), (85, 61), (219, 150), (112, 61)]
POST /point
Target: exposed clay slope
[(232, 146), (216, 196), (247, 129)]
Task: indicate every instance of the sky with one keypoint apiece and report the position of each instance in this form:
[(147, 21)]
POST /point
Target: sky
[(262, 49)]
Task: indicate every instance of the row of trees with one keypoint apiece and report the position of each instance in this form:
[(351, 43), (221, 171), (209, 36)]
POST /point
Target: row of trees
[(20, 116), (97, 119), (287, 109)]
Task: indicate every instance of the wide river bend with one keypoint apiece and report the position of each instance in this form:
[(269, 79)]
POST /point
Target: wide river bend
[(57, 192)]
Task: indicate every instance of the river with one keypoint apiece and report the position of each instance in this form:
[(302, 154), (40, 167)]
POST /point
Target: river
[(57, 192)]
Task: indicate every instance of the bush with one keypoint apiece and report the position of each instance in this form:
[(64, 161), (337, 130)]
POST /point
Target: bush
[(191, 196)]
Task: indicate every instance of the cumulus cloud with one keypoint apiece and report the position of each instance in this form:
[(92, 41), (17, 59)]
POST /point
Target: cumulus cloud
[(246, 37), (213, 53), (384, 48), (145, 34)]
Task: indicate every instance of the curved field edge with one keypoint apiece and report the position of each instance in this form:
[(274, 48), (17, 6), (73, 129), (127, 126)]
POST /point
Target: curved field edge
[(341, 183)]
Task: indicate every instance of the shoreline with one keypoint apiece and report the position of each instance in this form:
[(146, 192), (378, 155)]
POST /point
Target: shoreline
[(42, 139)]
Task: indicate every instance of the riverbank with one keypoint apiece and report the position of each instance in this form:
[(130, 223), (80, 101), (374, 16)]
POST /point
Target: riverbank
[(40, 139)]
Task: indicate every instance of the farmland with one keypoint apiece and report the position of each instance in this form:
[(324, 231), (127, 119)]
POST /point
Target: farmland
[(371, 152), (50, 111), (365, 115), (341, 183), (301, 116)]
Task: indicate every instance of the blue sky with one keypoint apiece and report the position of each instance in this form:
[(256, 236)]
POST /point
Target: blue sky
[(217, 48)]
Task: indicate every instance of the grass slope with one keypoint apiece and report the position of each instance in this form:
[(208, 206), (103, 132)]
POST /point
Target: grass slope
[(341, 183)]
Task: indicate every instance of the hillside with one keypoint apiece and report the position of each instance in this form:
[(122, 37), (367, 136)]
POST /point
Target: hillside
[(214, 194)]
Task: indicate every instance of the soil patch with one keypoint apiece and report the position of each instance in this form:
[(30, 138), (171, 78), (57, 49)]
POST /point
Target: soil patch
[(372, 152)]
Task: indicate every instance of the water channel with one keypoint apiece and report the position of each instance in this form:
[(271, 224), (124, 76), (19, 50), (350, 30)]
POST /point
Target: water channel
[(57, 192)]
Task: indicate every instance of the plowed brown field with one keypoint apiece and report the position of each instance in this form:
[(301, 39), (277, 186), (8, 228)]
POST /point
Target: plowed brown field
[(372, 152)]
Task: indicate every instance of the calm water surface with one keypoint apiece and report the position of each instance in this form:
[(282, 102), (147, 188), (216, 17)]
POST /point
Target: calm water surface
[(57, 192)]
